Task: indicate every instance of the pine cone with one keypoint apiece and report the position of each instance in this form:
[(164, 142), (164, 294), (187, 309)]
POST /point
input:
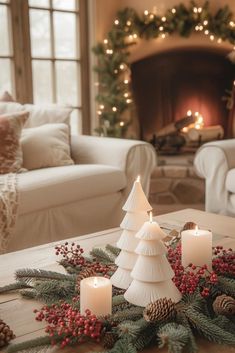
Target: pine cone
[(189, 225), (109, 340), (224, 305), (161, 309), (6, 334), (87, 272)]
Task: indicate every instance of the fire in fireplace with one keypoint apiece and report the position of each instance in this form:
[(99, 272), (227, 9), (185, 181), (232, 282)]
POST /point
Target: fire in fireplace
[(171, 84)]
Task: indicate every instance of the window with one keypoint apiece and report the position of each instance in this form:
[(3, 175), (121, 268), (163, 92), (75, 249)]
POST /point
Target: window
[(6, 53), (50, 66)]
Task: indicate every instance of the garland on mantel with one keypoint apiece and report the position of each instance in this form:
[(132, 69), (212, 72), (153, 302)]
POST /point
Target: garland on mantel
[(207, 306), (115, 97)]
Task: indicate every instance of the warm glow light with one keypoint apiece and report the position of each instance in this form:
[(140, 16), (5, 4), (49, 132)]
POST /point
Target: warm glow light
[(164, 19), (128, 23), (195, 10), (116, 22), (146, 12), (126, 95), (219, 40), (105, 41), (128, 100), (196, 229), (150, 216), (151, 16), (163, 35), (95, 283), (109, 51), (189, 112), (173, 10), (114, 109), (121, 123), (99, 112), (160, 28), (138, 179), (196, 113), (122, 66), (206, 32), (212, 37), (135, 35), (205, 23), (199, 9), (185, 129), (126, 82), (101, 106)]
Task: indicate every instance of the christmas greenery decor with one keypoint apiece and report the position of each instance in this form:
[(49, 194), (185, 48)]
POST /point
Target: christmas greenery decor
[(114, 96), (207, 306)]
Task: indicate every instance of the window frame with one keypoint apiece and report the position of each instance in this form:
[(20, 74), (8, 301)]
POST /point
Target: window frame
[(22, 56)]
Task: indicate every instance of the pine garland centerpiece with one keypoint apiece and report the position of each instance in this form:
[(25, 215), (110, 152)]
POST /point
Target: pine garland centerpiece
[(207, 306)]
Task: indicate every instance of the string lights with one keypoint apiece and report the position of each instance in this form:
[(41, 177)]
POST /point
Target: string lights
[(115, 96)]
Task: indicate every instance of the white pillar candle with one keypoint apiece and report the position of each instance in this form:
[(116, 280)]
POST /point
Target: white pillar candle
[(196, 247), (96, 295)]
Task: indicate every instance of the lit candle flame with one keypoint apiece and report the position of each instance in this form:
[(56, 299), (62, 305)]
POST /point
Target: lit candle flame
[(196, 230), (150, 216), (138, 178), (95, 283)]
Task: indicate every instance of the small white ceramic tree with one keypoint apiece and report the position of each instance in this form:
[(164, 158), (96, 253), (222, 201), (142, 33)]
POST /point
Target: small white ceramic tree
[(136, 208), (152, 274)]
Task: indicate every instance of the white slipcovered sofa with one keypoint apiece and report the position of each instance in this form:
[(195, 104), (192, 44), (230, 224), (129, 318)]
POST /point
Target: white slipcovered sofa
[(215, 161), (61, 202)]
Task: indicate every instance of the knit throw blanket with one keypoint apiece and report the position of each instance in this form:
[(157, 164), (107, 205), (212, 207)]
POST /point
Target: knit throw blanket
[(8, 208)]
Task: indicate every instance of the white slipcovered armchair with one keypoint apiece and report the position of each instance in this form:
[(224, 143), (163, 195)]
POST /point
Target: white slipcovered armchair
[(215, 161)]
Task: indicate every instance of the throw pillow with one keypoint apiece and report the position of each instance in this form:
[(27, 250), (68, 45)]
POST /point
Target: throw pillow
[(46, 146), (10, 149), (6, 97), (39, 114)]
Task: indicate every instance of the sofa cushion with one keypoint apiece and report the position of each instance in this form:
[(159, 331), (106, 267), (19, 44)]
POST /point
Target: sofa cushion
[(230, 181), (50, 187), (39, 114), (46, 146)]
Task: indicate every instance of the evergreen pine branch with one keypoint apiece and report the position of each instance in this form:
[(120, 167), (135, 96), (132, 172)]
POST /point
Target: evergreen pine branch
[(224, 322), (28, 293), (118, 299), (13, 287), (175, 336), (205, 326), (132, 328), (113, 249), (29, 275), (226, 285), (133, 314), (53, 291), (146, 337), (123, 345), (191, 347), (102, 255), (34, 345)]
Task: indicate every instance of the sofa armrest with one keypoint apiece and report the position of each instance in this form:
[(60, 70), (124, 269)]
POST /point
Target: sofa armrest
[(132, 156), (212, 162)]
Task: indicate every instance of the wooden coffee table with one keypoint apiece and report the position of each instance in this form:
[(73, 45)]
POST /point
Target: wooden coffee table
[(18, 312)]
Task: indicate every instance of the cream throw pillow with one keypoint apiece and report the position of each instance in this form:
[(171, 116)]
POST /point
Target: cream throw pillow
[(46, 146)]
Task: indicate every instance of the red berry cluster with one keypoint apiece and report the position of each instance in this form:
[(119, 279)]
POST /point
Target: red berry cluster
[(67, 324), (100, 268), (73, 255), (189, 279), (224, 262)]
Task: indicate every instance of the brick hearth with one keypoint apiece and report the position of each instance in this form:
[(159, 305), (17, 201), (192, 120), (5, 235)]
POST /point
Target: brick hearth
[(175, 185)]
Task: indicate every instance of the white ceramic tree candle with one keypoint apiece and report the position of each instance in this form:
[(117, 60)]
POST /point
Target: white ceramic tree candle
[(152, 273), (196, 247), (96, 295), (136, 207)]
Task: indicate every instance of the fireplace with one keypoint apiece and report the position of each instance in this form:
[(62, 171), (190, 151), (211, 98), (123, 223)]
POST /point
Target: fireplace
[(169, 84)]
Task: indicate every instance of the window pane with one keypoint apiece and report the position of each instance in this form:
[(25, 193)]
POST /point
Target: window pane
[(39, 3), (42, 81), (65, 34), (4, 31), (76, 122), (5, 77), (67, 84), (64, 4), (40, 33)]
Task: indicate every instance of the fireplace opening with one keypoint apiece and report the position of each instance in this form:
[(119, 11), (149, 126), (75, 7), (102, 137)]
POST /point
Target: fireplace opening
[(170, 85)]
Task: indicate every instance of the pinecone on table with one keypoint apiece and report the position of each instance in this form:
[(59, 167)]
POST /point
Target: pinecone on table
[(224, 305), (86, 272), (161, 309), (109, 340), (189, 225), (6, 334)]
